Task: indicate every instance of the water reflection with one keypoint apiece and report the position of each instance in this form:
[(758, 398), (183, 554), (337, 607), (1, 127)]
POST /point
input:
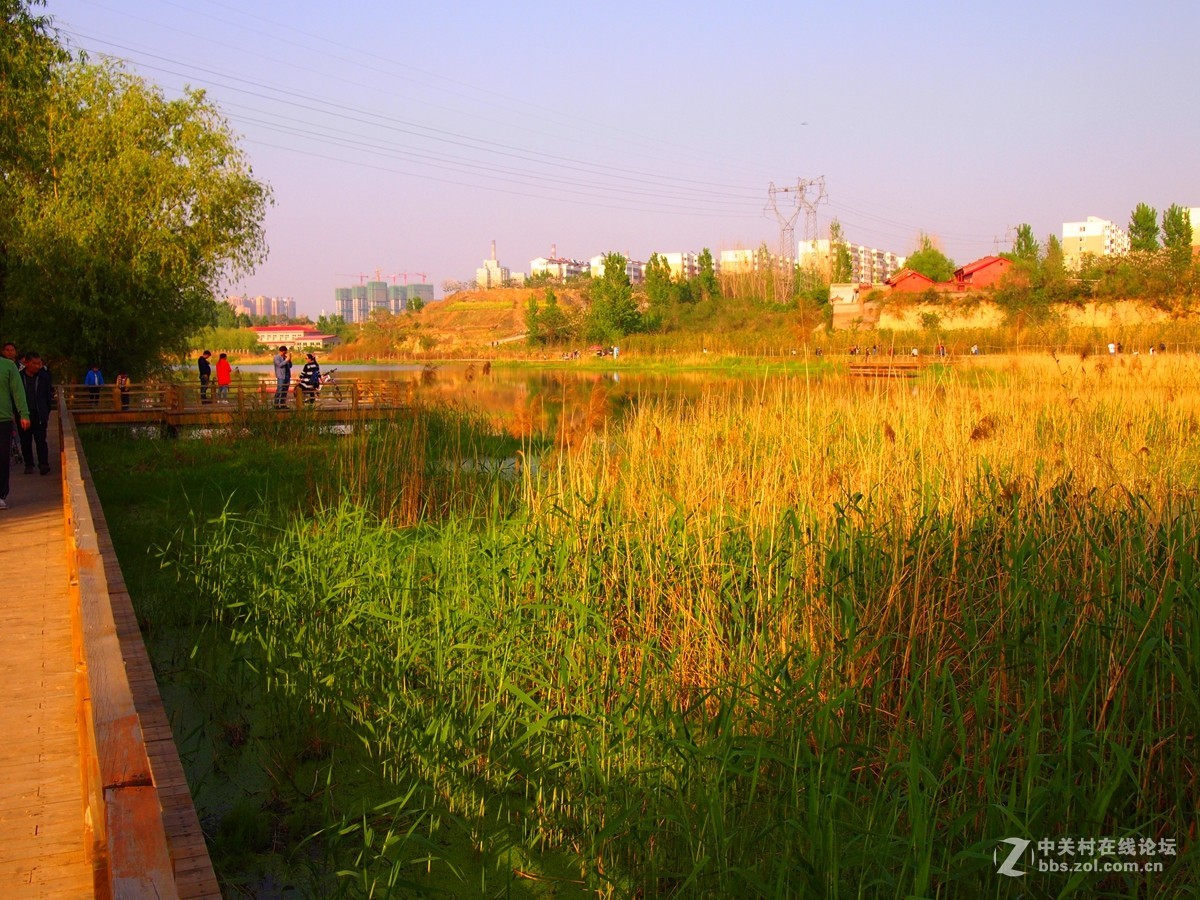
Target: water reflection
[(561, 403)]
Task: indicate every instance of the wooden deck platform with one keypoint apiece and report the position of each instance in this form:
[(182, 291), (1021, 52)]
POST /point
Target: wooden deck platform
[(93, 799), (878, 366)]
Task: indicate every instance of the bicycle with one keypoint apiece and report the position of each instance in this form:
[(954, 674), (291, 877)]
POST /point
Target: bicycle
[(327, 381)]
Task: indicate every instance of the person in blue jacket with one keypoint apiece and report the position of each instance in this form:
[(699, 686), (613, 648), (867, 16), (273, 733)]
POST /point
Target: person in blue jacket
[(93, 379)]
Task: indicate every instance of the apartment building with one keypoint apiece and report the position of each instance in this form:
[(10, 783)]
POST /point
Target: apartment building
[(557, 267), (264, 307), (683, 266), (1092, 237), (358, 302), (635, 269), (868, 265), (740, 260)]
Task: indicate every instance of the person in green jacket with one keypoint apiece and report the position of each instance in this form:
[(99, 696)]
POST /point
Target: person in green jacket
[(12, 404)]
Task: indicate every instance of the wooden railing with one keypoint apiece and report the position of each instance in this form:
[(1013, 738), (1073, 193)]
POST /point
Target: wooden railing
[(130, 852), (143, 401)]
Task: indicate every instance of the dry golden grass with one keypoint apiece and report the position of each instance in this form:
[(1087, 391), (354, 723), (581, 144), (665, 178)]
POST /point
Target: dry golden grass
[(1108, 424)]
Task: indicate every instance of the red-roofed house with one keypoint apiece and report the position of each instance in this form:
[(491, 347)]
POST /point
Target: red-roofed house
[(299, 336), (906, 281), (982, 273)]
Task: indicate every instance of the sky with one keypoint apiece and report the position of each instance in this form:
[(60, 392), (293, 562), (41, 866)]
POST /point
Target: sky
[(404, 138)]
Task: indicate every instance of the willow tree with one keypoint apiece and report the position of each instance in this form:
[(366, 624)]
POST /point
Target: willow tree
[(29, 52), (142, 208)]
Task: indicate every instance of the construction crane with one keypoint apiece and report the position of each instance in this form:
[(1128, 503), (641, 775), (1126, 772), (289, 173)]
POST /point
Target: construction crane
[(361, 276), (423, 277), (396, 275)]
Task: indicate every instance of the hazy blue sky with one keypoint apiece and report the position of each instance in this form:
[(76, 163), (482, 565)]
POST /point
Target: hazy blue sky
[(406, 137)]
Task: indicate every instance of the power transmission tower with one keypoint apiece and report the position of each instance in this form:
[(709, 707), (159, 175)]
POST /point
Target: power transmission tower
[(787, 203)]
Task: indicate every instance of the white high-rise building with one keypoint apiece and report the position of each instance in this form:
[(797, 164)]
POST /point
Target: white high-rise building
[(491, 274), (868, 265), (1092, 237)]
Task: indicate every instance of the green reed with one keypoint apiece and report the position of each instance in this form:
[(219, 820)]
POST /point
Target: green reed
[(822, 640), (527, 683)]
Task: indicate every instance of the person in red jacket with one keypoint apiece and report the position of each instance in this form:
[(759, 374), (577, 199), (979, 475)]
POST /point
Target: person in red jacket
[(224, 378)]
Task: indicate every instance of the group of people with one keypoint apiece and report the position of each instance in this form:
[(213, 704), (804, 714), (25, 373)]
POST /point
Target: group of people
[(307, 386), (224, 377), (26, 401)]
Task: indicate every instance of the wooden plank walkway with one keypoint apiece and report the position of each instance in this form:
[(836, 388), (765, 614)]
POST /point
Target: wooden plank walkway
[(44, 846), (175, 406), (49, 847)]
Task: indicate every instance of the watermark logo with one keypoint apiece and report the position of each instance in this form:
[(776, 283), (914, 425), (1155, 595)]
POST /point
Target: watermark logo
[(1008, 867), (1081, 854)]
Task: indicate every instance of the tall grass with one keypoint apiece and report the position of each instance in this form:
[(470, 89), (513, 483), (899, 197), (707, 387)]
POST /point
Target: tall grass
[(817, 638)]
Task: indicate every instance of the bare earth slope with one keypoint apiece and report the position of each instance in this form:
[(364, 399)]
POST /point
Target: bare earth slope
[(481, 317)]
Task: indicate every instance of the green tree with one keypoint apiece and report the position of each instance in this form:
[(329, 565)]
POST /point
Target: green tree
[(614, 312), (706, 281), (841, 266), (930, 261), (144, 208), (1143, 228), (328, 324), (1177, 236), (533, 325), (658, 282), (28, 54), (1025, 248), (553, 322)]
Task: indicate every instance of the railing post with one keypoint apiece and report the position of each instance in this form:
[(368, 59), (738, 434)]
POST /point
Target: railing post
[(354, 395)]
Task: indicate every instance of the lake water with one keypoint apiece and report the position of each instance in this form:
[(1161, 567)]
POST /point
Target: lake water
[(537, 399)]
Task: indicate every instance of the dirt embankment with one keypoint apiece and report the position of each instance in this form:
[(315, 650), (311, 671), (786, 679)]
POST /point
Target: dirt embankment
[(985, 314)]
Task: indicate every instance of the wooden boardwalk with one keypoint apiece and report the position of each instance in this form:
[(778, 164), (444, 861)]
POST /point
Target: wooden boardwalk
[(174, 406), (93, 799), (43, 838)]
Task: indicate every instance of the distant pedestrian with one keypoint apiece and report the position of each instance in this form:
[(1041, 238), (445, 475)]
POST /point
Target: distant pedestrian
[(205, 374), (224, 378), (122, 384), (39, 398), (283, 376), (310, 379), (94, 379), (12, 404)]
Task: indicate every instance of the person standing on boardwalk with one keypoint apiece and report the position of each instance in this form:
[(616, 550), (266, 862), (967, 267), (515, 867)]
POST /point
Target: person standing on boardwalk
[(122, 384), (39, 397), (12, 403), (224, 378), (283, 376), (310, 379), (205, 375), (94, 379)]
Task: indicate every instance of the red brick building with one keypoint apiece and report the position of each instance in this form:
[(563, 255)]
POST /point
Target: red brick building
[(975, 276), (906, 281), (982, 273)]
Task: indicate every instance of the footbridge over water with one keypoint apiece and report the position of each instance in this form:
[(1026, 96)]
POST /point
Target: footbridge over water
[(174, 406)]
